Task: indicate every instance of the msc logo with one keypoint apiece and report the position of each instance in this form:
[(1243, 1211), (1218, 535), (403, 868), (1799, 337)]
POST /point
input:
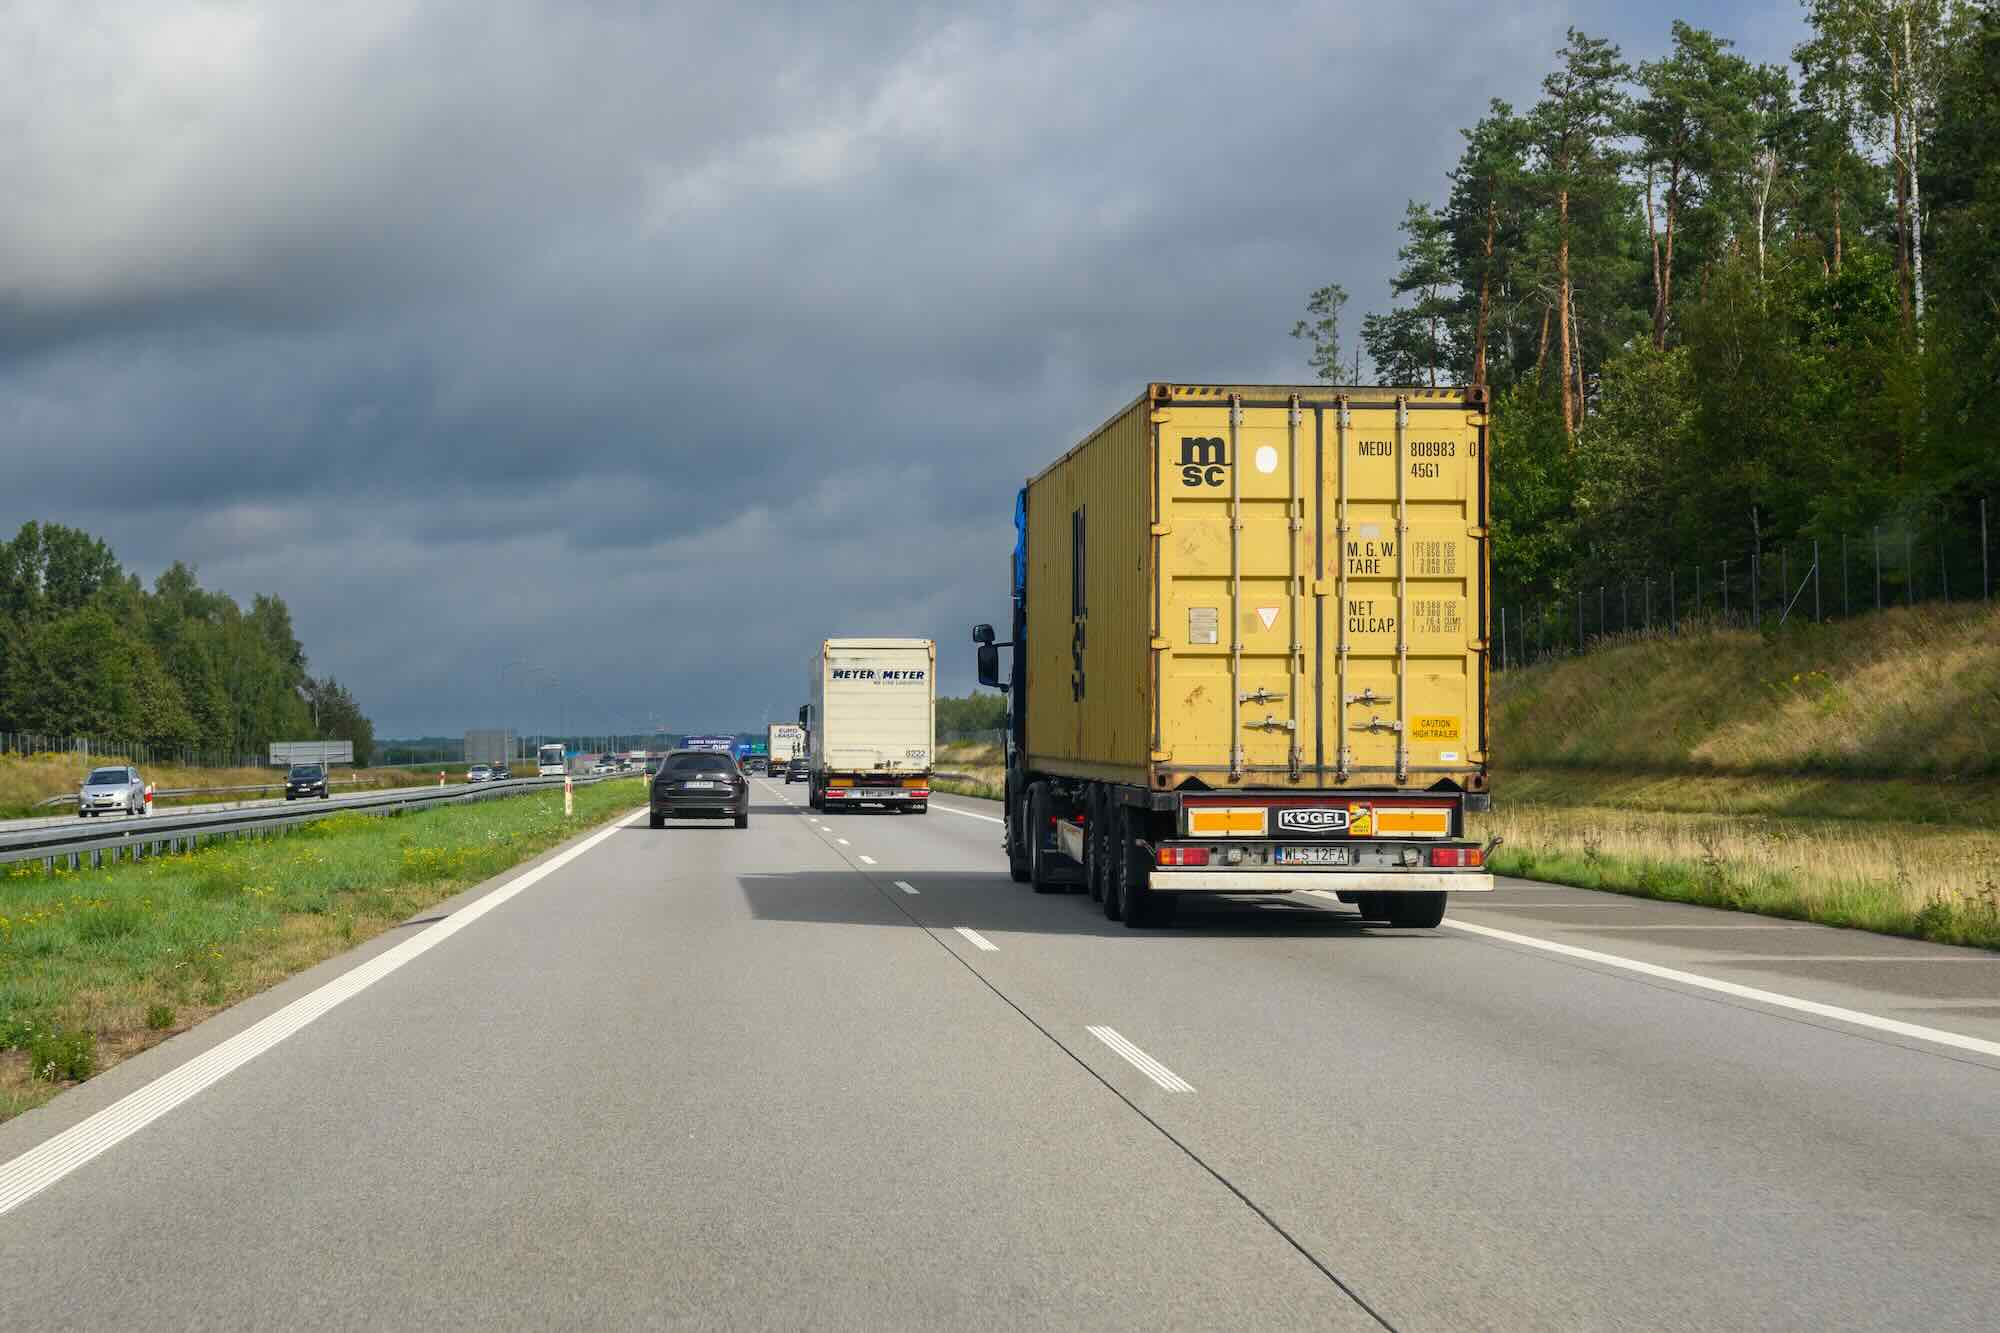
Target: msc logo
[(1204, 460), (1311, 819)]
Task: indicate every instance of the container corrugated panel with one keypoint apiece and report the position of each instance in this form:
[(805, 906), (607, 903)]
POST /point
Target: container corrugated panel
[(1282, 586)]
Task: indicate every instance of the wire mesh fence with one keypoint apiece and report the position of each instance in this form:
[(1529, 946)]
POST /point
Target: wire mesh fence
[(88, 748), (1766, 587)]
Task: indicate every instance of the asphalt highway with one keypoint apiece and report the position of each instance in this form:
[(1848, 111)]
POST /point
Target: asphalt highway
[(839, 1071)]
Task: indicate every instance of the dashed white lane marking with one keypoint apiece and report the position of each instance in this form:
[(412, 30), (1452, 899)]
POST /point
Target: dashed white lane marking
[(843, 842), (979, 941), (868, 860), (1781, 1001), (906, 887), (42, 1166), (1141, 1061), (969, 814)]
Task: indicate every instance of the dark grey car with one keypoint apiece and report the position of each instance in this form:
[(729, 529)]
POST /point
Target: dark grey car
[(701, 784), (306, 780)]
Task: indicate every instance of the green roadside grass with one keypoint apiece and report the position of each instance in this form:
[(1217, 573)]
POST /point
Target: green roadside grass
[(98, 965)]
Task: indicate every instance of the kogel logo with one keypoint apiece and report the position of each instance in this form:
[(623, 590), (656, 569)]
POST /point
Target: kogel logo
[(1311, 819)]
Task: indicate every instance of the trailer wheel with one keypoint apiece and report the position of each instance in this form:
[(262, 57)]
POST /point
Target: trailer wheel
[(1416, 911), (1099, 853), (1113, 890), (1372, 906), (1038, 819), (1143, 907), (1019, 867)]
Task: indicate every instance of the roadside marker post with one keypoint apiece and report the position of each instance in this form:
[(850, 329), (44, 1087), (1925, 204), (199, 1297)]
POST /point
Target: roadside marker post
[(149, 798), (569, 796), (440, 777)]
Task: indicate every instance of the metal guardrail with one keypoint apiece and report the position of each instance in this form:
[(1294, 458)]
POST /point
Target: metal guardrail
[(147, 835)]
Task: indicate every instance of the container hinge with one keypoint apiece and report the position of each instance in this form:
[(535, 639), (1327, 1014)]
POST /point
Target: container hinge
[(1295, 758), (1162, 529), (1236, 762), (1260, 695), (1368, 696), (1479, 534), (1376, 724), (1159, 645), (1273, 724)]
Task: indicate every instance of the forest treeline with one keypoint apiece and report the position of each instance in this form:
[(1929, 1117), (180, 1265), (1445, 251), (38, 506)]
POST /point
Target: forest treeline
[(87, 650), (1720, 305)]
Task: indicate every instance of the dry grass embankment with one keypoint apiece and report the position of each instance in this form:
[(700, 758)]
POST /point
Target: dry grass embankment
[(97, 965), (982, 762), (1847, 774), (27, 780)]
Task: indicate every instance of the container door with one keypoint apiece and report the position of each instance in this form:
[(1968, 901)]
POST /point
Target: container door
[(1403, 558), (1236, 561)]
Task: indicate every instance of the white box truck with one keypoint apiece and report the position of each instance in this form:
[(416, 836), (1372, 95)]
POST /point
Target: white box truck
[(785, 743), (872, 723)]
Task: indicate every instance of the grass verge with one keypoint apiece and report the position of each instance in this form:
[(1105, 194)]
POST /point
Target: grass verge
[(27, 780), (97, 965), (983, 770), (1740, 845)]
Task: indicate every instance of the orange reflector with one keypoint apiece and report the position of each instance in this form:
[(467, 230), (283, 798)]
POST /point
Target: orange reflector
[(840, 782), (1417, 823), (1237, 819), (915, 782)]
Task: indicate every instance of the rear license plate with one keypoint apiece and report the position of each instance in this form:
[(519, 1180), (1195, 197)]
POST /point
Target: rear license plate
[(701, 786), (1312, 856)]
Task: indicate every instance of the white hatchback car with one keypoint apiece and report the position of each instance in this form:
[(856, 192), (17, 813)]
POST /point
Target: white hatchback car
[(112, 791)]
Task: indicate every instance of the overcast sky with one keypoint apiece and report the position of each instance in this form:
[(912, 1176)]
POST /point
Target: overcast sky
[(650, 344)]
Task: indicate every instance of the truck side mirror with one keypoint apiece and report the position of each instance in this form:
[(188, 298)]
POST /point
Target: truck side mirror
[(989, 664), (805, 711), (982, 634)]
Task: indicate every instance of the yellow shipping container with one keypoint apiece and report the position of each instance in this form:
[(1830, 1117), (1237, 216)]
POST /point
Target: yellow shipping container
[(1261, 586)]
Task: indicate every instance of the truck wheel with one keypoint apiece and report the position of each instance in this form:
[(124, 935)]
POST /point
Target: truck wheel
[(1101, 847), (1143, 907), (1416, 911), (1018, 867), (1112, 893), (1038, 819)]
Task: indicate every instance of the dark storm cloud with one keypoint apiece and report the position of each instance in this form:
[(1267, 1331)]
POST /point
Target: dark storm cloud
[(654, 345)]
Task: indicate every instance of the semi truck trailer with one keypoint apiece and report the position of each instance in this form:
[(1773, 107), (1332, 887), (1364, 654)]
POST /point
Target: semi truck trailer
[(1249, 652), (871, 723)]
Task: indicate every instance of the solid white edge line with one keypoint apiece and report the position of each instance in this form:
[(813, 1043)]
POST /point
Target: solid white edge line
[(1782, 1001), (46, 1163), (969, 814), (979, 941), (867, 860), (906, 886), (1139, 1060)]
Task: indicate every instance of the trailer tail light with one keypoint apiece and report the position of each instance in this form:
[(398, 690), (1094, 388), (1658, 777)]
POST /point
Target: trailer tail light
[(1458, 856), (1183, 856), (834, 791)]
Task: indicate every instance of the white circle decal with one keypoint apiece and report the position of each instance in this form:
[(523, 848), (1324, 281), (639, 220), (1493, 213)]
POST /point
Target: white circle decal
[(1267, 459)]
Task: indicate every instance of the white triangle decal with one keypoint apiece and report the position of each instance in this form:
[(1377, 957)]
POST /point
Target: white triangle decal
[(1268, 614)]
